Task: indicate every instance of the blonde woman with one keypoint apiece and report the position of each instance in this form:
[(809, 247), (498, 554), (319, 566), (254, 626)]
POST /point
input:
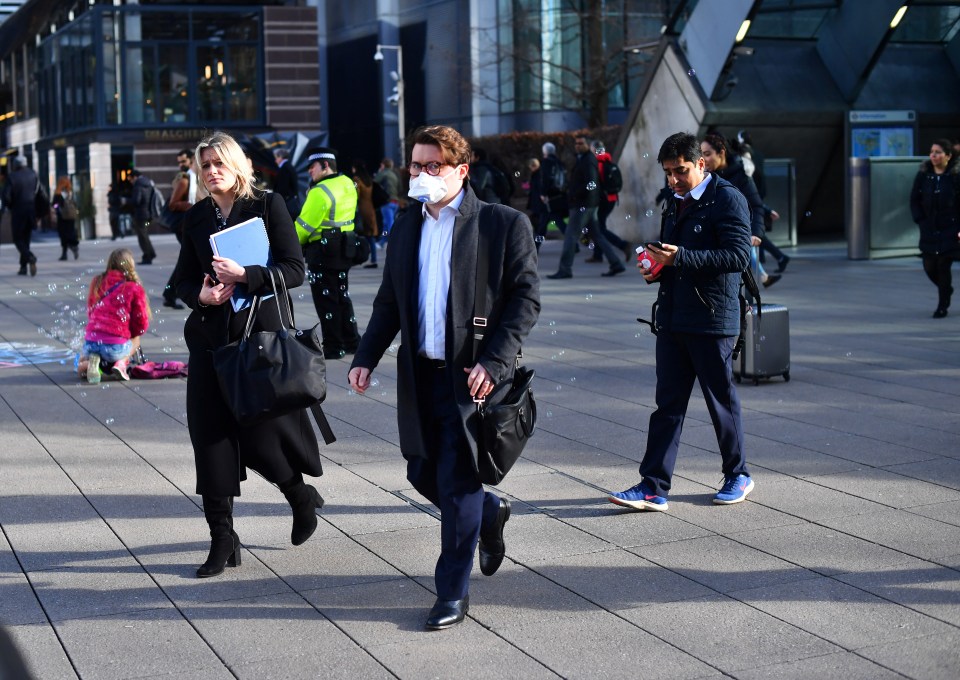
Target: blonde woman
[(64, 204), (281, 449), (118, 313)]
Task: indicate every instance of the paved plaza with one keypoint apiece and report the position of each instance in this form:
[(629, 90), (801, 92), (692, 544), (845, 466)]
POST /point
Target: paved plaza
[(844, 562)]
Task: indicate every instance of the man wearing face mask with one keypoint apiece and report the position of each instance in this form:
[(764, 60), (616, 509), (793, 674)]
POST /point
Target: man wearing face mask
[(325, 229), (427, 295)]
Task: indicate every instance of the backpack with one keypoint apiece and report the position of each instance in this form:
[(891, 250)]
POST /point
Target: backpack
[(612, 179), (155, 203), (68, 208), (556, 181), (502, 186)]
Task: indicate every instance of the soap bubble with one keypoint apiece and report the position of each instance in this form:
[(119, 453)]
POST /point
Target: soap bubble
[(374, 382), (589, 296), (591, 186), (691, 73), (649, 213), (109, 421), (552, 323), (328, 316), (646, 155), (807, 214), (83, 394), (573, 379), (538, 239), (559, 387)]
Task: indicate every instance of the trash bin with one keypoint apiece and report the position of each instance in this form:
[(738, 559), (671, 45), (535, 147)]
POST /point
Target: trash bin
[(858, 208)]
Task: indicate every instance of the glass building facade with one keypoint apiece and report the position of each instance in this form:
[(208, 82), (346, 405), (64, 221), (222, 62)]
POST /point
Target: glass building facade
[(147, 66)]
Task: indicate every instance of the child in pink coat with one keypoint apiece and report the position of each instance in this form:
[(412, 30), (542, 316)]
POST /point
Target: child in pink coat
[(118, 313)]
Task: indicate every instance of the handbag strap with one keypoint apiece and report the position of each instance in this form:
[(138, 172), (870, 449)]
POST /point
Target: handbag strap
[(480, 287), (278, 292)]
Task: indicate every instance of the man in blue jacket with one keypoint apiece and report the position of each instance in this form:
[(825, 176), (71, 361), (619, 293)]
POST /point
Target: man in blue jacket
[(706, 246)]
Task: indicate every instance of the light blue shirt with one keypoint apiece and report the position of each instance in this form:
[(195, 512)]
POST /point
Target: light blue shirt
[(436, 243)]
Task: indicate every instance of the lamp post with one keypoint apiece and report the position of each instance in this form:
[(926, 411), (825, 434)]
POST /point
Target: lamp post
[(397, 97)]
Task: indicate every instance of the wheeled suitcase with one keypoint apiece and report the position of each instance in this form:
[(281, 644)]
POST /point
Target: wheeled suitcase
[(766, 351)]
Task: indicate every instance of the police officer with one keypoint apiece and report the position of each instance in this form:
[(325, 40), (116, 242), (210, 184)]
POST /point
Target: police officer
[(325, 229)]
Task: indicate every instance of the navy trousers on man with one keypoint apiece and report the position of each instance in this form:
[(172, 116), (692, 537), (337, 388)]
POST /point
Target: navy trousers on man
[(448, 480), (681, 359)]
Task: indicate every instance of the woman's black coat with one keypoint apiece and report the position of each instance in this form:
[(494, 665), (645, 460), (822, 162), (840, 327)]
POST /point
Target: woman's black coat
[(935, 206), (223, 449)]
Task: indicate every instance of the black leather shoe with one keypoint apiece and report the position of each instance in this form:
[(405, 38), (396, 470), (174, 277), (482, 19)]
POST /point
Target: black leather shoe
[(614, 272), (771, 279), (560, 275), (492, 548), (782, 263), (446, 613), (939, 313)]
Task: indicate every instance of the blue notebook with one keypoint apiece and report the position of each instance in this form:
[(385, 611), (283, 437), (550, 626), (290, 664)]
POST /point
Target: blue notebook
[(245, 243)]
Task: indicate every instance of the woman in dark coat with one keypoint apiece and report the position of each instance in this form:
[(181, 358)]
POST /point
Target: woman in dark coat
[(720, 160), (284, 448), (935, 206)]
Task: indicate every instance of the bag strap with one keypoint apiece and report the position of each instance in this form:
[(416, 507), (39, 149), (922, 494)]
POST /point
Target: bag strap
[(322, 423), (480, 287)]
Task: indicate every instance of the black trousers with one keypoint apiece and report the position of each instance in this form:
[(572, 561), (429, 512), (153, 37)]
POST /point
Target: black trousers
[(448, 480), (330, 289), (937, 269), (22, 223), (683, 358)]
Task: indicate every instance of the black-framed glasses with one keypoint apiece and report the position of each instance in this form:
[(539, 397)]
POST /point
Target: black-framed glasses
[(432, 168)]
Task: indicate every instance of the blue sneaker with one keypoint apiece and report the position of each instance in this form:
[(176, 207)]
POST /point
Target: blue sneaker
[(639, 497), (734, 490)]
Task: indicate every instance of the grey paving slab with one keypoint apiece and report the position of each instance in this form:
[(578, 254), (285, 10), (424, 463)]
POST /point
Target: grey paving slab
[(813, 502), (602, 645), (848, 616), (42, 652), (326, 563), (482, 655), (617, 579), (846, 665), (823, 550), (856, 459), (887, 488), (948, 513), (721, 564), (98, 588), (924, 587), (729, 635), (906, 532), (271, 627), (934, 656), (135, 645), (18, 601)]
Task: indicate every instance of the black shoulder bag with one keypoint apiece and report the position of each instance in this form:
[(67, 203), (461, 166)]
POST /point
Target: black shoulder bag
[(505, 426), (272, 373)]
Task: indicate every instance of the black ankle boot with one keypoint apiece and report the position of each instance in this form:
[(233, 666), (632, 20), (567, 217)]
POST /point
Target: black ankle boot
[(224, 543), (63, 255), (76, 252), (304, 500)]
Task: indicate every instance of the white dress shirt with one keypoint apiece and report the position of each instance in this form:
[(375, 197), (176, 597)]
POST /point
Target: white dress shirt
[(696, 192), (436, 242)]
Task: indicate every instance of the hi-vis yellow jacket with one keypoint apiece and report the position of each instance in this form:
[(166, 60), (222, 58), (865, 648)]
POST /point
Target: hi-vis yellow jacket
[(331, 202)]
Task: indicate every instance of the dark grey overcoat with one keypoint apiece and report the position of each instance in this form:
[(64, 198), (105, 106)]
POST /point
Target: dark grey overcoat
[(513, 305)]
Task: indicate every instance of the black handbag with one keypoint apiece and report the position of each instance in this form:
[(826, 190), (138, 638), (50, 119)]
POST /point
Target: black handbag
[(508, 422), (272, 373)]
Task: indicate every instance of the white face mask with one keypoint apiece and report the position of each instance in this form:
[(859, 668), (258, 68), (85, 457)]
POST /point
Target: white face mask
[(429, 189)]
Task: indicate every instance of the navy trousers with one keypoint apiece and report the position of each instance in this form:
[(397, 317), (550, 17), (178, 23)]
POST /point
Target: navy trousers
[(681, 359), (448, 480)]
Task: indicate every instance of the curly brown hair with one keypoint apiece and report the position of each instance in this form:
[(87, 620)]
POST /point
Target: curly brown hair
[(454, 147)]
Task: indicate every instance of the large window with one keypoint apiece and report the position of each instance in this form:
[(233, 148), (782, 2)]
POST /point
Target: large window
[(132, 65), (553, 54)]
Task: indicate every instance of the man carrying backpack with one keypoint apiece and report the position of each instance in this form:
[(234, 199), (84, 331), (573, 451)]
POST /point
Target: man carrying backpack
[(611, 182), (143, 200)]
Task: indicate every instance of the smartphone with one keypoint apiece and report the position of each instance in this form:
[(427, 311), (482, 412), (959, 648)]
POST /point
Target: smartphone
[(653, 244)]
